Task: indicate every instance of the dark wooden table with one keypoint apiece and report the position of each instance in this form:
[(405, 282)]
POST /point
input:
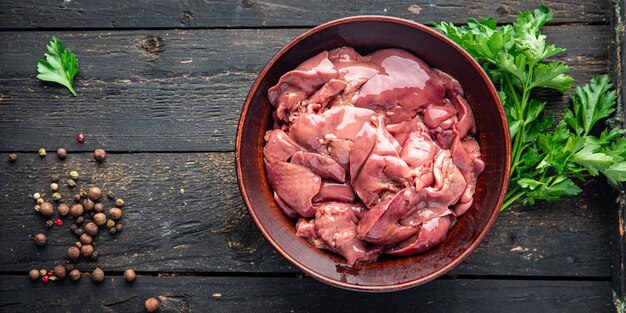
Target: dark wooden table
[(160, 87)]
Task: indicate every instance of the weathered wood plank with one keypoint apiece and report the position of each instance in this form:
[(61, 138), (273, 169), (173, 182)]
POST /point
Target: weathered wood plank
[(251, 13), (262, 294), (184, 94), (618, 54), (208, 229)]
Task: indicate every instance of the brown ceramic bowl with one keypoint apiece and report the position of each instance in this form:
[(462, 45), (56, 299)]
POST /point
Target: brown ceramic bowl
[(366, 34)]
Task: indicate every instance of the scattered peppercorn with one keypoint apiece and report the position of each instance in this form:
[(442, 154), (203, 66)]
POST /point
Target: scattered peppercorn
[(112, 231), (54, 186), (110, 195), (45, 279), (152, 305), (58, 222), (36, 196), (73, 253), (129, 275), (86, 239), (76, 210), (73, 228), (79, 220), (77, 198), (56, 196), (95, 255), (115, 213), (79, 231), (181, 191), (42, 152), (74, 175), (12, 157), (78, 244), (46, 209), (100, 219), (40, 239), (86, 250), (62, 153), (110, 223), (88, 205), (119, 202), (82, 192), (59, 271), (97, 275), (99, 155), (98, 207), (119, 227), (40, 201), (49, 224), (55, 177), (80, 137), (63, 209), (69, 267), (43, 272), (75, 275), (71, 183), (33, 274), (91, 229), (94, 193)]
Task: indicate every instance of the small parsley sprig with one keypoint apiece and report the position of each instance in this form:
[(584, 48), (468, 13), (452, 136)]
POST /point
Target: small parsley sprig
[(60, 66), (544, 161)]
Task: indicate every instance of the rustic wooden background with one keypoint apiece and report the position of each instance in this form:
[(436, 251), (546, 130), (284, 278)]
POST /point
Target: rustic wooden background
[(160, 87)]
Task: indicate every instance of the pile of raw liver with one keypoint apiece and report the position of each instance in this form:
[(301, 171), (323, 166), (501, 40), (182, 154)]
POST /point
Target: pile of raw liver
[(372, 154)]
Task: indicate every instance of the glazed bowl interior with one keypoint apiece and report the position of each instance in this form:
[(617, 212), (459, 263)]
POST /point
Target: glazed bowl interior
[(367, 34)]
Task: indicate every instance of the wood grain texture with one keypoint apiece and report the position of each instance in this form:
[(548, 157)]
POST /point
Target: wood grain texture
[(175, 90), (287, 294), (252, 13), (209, 230)]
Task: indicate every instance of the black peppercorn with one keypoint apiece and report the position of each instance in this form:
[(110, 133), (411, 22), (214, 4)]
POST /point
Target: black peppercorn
[(73, 253), (40, 239), (98, 208), (80, 220), (77, 197), (95, 255), (88, 204), (69, 267), (79, 231), (119, 227), (112, 231), (99, 155), (97, 275), (59, 271), (75, 275), (62, 153), (73, 228), (55, 177), (49, 224), (91, 228), (110, 195)]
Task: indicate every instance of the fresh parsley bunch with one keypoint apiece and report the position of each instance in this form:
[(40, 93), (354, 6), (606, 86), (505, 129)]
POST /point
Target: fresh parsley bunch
[(544, 161), (60, 66)]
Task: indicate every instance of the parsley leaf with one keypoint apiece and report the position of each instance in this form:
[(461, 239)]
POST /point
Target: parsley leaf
[(544, 161), (60, 65)]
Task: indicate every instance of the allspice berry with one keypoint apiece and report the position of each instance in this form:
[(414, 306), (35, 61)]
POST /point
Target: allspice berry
[(59, 271), (152, 305), (100, 219), (129, 275), (41, 239), (33, 274), (97, 275), (88, 204), (46, 209), (75, 275), (115, 213), (86, 250), (63, 209), (98, 207), (99, 155), (76, 210), (94, 193), (62, 153), (91, 229), (73, 253), (86, 239), (119, 202)]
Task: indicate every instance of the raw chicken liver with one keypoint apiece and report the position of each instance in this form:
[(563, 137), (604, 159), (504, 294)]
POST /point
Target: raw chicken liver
[(372, 154)]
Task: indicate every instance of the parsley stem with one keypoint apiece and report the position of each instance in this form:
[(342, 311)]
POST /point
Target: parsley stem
[(509, 199)]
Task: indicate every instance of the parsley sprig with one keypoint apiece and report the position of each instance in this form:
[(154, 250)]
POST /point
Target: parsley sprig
[(60, 66), (544, 160)]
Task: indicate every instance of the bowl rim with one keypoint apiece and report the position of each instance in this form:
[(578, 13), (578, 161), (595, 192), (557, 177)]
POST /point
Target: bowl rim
[(492, 217)]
